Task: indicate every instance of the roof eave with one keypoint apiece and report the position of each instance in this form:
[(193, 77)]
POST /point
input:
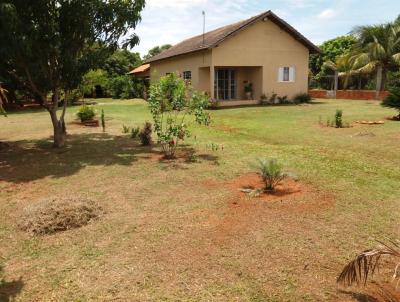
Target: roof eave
[(151, 60)]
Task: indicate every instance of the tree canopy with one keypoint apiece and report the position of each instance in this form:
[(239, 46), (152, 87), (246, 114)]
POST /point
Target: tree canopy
[(331, 50), (156, 50), (51, 44), (121, 62)]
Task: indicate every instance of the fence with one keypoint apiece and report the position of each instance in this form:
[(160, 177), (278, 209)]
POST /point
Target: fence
[(347, 94)]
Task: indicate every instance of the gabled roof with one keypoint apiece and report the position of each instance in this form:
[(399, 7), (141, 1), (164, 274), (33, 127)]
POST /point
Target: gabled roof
[(215, 37), (141, 68)]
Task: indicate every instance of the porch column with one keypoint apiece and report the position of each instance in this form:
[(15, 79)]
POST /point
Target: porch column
[(212, 74)]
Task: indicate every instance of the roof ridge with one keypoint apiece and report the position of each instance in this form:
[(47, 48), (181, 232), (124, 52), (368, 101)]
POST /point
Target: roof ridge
[(216, 36)]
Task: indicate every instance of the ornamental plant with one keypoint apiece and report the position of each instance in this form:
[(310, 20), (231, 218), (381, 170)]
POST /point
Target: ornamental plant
[(393, 100), (339, 119), (271, 172), (171, 103), (86, 113)]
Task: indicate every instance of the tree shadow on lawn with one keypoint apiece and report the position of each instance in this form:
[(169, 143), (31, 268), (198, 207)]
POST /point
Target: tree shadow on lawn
[(374, 293), (9, 289), (26, 161)]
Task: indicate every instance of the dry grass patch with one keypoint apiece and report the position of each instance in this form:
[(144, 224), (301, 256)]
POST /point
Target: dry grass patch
[(58, 214)]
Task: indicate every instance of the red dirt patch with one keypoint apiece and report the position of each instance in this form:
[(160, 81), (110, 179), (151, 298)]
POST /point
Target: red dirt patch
[(245, 213), (288, 189)]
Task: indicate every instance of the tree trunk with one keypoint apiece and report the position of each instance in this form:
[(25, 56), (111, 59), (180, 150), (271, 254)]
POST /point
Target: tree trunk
[(378, 81), (59, 129), (336, 83)]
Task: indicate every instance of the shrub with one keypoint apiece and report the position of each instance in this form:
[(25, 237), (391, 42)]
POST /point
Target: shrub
[(283, 99), (103, 120), (86, 113), (271, 172), (145, 134), (126, 129), (248, 87), (302, 98), (272, 99), (264, 99), (339, 119), (58, 214), (171, 101), (135, 132), (393, 100), (120, 87)]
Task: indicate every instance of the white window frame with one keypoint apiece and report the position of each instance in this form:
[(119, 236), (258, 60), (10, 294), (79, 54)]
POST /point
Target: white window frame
[(292, 74)]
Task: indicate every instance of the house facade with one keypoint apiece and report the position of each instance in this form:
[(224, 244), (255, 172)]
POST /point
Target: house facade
[(263, 54)]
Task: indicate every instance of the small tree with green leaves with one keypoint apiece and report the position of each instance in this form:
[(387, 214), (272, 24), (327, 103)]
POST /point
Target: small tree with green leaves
[(171, 102), (339, 118), (393, 100)]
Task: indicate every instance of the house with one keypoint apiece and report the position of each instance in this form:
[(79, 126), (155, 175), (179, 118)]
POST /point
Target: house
[(263, 51), (142, 72)]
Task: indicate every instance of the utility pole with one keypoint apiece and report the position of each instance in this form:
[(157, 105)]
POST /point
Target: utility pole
[(204, 26)]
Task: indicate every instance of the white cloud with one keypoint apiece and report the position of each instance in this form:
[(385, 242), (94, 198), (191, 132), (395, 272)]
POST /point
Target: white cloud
[(327, 14), (173, 3), (171, 21)]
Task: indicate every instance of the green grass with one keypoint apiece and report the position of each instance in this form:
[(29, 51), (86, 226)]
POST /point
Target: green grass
[(166, 236)]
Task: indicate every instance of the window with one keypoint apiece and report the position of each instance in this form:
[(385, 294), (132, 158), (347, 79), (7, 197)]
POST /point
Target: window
[(187, 75), (286, 74), (225, 84)]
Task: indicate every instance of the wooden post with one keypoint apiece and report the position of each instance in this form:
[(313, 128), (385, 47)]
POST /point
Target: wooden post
[(378, 82), (335, 88), (212, 79)]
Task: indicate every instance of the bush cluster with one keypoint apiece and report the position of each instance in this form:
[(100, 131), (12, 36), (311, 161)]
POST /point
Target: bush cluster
[(86, 113), (275, 99)]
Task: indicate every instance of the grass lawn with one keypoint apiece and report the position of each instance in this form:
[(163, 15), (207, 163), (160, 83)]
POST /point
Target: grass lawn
[(182, 231)]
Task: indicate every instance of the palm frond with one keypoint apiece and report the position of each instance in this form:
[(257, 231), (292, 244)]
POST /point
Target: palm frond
[(396, 58), (376, 49), (365, 264), (369, 67), (330, 65), (360, 60)]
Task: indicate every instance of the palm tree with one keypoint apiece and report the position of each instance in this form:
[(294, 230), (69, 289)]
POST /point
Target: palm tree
[(343, 68), (378, 49)]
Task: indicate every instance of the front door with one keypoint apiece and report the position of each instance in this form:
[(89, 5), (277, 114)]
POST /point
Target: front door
[(225, 84)]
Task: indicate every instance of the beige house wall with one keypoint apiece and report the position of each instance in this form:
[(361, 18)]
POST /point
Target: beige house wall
[(189, 62), (256, 52), (265, 44)]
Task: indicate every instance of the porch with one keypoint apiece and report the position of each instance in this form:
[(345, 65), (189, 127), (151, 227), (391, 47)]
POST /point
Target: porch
[(226, 84)]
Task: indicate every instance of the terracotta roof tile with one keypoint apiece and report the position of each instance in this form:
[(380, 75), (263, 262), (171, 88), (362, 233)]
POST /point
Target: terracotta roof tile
[(141, 68), (215, 37)]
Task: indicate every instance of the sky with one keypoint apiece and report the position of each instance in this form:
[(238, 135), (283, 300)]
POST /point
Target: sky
[(171, 21)]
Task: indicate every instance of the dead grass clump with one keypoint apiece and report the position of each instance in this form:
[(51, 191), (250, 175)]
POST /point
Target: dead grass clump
[(58, 214)]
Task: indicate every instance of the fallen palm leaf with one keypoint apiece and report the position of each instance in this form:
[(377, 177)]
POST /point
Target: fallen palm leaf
[(365, 264)]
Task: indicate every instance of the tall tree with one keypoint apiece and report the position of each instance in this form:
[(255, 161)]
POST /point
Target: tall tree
[(378, 50), (121, 62), (331, 50), (52, 43), (156, 50)]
